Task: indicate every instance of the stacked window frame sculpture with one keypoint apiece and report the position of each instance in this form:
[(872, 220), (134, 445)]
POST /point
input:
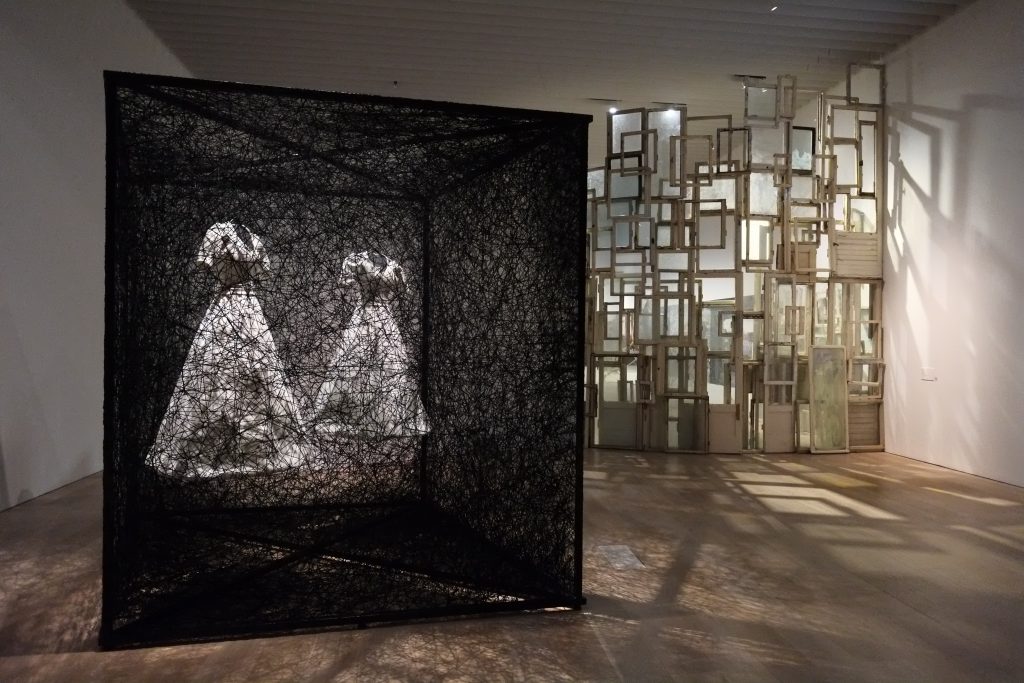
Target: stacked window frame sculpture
[(735, 284)]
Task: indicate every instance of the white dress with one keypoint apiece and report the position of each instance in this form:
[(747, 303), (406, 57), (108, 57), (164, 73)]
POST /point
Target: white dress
[(370, 390), (232, 410)]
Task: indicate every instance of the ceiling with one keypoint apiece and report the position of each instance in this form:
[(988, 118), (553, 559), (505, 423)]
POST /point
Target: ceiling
[(566, 55)]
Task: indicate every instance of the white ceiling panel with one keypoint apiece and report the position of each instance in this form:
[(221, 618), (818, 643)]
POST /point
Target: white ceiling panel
[(564, 55)]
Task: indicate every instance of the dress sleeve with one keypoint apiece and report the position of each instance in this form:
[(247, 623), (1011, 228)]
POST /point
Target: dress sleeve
[(395, 276), (261, 262), (215, 244)]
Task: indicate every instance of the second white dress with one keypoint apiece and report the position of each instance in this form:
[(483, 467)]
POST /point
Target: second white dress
[(371, 390)]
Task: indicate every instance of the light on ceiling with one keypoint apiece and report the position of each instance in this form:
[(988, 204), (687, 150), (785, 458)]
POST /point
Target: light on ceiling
[(775, 7), (612, 110)]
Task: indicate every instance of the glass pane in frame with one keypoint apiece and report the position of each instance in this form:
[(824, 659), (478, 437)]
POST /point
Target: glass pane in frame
[(829, 396)]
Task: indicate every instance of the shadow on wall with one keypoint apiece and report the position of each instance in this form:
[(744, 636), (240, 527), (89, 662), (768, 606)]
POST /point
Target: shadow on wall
[(24, 418), (953, 269), (5, 498)]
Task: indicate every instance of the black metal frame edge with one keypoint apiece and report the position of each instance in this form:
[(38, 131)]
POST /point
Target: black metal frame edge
[(134, 79), (116, 640), (581, 348), (106, 635)]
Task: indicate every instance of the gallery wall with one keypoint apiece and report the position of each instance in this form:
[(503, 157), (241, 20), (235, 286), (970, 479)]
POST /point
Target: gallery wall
[(954, 266), (52, 57)]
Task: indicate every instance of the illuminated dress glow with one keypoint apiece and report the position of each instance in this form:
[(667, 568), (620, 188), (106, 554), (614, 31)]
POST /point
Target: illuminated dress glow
[(371, 391), (232, 410)]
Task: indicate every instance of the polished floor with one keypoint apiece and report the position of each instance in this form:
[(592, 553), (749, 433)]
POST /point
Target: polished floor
[(865, 567)]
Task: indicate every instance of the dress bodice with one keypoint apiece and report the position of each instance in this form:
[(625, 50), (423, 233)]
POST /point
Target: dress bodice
[(234, 254), (379, 278)]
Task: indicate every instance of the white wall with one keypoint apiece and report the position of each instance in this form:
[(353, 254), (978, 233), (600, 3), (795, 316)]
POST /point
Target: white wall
[(52, 55), (954, 269)]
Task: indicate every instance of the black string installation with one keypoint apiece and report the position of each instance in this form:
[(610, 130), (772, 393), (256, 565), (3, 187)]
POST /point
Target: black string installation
[(343, 360)]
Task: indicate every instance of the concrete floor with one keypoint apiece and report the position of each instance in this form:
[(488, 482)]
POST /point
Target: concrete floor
[(864, 567)]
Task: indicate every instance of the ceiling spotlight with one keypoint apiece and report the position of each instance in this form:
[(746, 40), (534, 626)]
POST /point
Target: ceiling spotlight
[(774, 8)]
